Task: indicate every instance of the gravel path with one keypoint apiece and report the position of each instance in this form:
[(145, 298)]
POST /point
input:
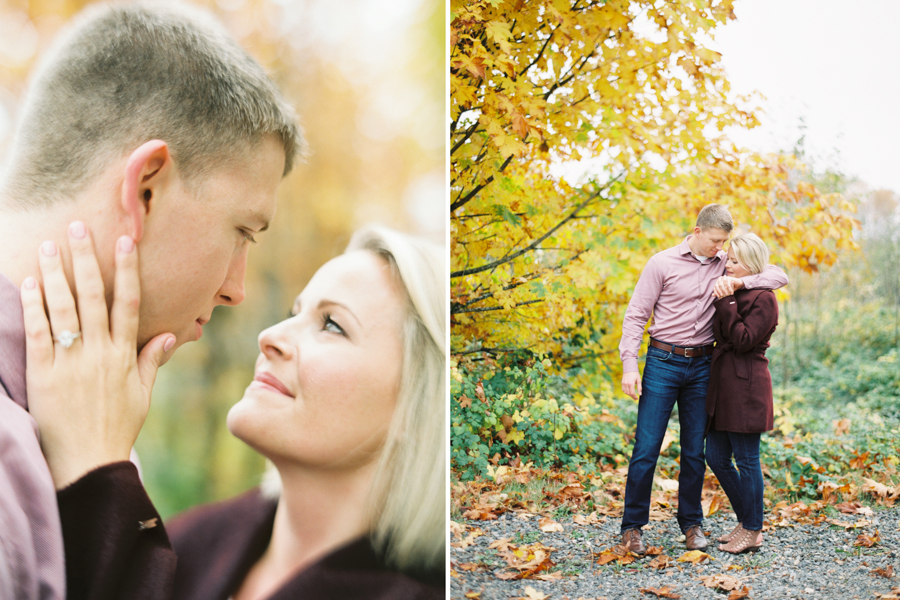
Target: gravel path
[(808, 562)]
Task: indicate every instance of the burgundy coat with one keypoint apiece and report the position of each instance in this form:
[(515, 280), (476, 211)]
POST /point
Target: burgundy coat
[(740, 387), (217, 544)]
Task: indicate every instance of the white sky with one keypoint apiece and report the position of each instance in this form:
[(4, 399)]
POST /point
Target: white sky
[(834, 63)]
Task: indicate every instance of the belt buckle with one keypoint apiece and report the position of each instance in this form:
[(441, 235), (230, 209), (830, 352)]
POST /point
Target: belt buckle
[(689, 352)]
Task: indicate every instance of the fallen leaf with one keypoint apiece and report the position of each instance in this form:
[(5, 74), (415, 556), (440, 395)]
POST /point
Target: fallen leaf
[(841, 427), (887, 572), (615, 554), (663, 592), (465, 401), (667, 485), (468, 567), (457, 529), (660, 562), (533, 594), (694, 556), (591, 519), (738, 594), (867, 541), (473, 594), (725, 583), (469, 539), (548, 525), (894, 594), (660, 515)]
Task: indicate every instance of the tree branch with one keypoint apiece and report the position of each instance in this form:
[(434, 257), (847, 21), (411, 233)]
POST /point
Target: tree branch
[(462, 201), (535, 243)]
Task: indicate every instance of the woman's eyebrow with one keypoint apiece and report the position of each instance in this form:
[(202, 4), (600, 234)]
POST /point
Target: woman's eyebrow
[(324, 303)]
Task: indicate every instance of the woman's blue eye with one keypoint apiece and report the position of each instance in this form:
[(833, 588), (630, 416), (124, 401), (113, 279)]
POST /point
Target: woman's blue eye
[(328, 324)]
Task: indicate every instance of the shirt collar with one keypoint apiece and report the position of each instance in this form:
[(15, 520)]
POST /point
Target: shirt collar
[(685, 249)]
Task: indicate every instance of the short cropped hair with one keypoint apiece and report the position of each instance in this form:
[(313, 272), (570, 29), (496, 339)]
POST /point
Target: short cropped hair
[(126, 74), (407, 501), (715, 216), (750, 251)]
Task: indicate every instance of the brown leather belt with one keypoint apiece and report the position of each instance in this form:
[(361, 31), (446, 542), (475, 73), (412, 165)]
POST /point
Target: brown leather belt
[(682, 351)]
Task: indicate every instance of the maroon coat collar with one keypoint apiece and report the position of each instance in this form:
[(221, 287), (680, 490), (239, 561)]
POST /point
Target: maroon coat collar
[(217, 545)]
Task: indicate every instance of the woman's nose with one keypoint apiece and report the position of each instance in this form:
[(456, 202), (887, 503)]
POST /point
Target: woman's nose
[(275, 342)]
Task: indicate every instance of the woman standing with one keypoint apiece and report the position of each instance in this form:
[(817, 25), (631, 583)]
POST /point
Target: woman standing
[(739, 402)]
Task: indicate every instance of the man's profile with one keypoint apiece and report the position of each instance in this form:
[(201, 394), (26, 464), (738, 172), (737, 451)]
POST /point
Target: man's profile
[(147, 121)]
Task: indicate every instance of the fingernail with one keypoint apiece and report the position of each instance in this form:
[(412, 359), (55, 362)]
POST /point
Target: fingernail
[(77, 230), (168, 345), (126, 244), (30, 283), (48, 248)]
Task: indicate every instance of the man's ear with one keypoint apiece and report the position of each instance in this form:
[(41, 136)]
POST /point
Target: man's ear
[(145, 170)]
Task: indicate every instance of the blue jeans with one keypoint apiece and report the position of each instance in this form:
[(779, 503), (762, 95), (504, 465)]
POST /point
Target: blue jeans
[(744, 485), (669, 378)]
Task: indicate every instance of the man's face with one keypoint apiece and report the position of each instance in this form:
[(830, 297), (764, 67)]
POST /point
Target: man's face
[(193, 255), (710, 241)]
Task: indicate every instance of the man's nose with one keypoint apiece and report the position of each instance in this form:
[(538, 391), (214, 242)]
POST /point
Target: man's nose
[(232, 291)]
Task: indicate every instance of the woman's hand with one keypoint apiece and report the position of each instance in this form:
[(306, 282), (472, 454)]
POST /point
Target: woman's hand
[(90, 399), (726, 285)]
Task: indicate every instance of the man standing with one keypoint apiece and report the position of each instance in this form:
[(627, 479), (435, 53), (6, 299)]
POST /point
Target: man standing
[(148, 122), (676, 287)]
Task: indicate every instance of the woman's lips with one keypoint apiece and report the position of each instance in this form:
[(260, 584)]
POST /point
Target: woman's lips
[(272, 382)]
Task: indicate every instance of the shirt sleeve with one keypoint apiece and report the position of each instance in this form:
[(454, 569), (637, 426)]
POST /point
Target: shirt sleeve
[(640, 307), (116, 545), (771, 278)]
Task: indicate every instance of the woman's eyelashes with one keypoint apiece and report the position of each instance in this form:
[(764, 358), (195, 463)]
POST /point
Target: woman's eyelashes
[(329, 324)]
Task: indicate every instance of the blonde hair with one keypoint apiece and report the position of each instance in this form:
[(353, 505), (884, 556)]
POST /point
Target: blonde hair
[(750, 251), (407, 501)]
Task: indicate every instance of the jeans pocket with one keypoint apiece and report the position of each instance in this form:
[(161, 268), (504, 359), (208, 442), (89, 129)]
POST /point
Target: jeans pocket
[(658, 354)]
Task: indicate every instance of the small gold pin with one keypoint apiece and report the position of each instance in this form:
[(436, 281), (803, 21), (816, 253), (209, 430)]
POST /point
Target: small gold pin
[(148, 524)]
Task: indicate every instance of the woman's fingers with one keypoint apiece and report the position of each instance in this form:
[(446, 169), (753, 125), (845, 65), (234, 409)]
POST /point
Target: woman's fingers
[(151, 356), (127, 299), (92, 310), (38, 342), (60, 304)]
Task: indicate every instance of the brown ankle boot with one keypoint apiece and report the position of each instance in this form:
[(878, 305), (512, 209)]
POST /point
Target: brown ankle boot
[(730, 536), (745, 541), (631, 539)]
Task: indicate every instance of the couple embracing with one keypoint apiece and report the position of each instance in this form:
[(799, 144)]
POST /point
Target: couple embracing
[(713, 314), (149, 131)]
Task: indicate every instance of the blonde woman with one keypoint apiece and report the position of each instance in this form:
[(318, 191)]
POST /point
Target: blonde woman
[(347, 404), (739, 401)]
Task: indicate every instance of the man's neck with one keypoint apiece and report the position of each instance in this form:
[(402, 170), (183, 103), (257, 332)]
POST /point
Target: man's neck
[(22, 233)]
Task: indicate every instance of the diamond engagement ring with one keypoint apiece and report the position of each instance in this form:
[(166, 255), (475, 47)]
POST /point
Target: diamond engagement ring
[(66, 338)]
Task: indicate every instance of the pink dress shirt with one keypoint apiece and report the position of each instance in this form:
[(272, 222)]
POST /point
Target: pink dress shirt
[(677, 289), (31, 541)]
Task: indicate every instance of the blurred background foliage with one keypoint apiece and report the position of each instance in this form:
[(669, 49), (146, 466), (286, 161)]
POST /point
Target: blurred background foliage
[(368, 81)]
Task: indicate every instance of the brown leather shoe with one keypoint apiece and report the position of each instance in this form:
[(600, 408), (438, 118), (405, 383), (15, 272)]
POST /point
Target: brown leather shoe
[(631, 539), (694, 539)]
